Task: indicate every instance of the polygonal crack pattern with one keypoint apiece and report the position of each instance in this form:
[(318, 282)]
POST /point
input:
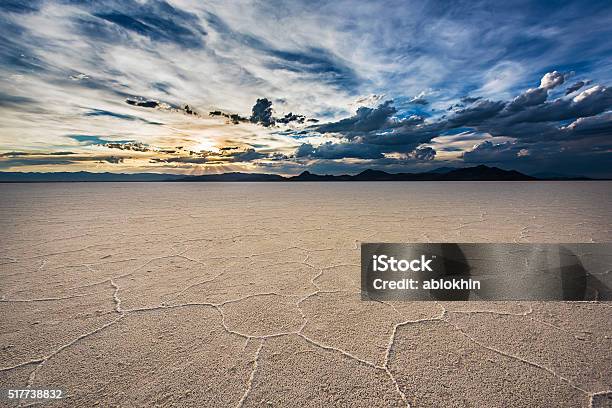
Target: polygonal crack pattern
[(248, 295)]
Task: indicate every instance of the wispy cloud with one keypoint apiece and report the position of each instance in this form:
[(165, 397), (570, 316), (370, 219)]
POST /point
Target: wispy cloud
[(527, 76)]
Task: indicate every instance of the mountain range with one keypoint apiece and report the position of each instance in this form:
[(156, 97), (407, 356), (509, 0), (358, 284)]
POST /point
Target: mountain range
[(477, 173)]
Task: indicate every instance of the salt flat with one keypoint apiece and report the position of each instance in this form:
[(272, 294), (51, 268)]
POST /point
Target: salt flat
[(247, 294)]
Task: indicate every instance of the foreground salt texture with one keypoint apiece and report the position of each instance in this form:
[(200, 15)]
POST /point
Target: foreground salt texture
[(194, 295)]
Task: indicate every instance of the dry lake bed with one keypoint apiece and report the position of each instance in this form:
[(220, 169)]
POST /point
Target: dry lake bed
[(247, 294)]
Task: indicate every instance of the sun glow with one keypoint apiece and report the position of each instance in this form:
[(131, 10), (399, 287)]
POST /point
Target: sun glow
[(206, 145)]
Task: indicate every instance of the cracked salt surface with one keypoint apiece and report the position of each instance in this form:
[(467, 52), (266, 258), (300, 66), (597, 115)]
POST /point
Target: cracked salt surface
[(248, 295)]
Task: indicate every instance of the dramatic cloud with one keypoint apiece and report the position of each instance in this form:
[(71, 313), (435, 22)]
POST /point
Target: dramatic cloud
[(246, 156), (475, 114), (135, 146), (144, 104), (424, 154), (233, 117), (262, 112), (365, 120), (331, 150), (529, 118), (576, 86), (290, 117), (489, 152), (530, 97), (342, 86), (600, 125), (552, 80)]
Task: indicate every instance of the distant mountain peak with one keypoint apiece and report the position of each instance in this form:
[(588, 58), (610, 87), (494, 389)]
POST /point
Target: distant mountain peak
[(441, 170), (372, 171)]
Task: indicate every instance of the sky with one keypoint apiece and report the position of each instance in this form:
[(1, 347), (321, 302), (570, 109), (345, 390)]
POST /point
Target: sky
[(332, 87)]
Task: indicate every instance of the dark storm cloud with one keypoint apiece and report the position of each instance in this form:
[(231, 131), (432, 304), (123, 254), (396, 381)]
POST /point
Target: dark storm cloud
[(189, 110), (529, 111), (143, 104), (291, 117), (425, 154), (530, 97), (576, 86), (374, 154), (589, 102), (583, 145), (278, 157), (475, 114), (578, 157), (365, 120), (233, 117), (538, 125), (262, 112), (246, 155), (600, 125), (331, 150), (489, 152)]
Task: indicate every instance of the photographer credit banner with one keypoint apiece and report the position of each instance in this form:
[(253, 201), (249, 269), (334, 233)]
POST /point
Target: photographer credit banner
[(469, 271)]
